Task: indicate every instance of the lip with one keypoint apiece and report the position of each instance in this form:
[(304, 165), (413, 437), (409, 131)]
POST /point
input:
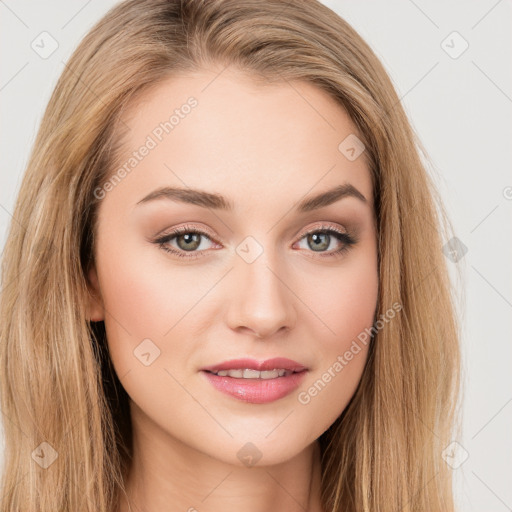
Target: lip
[(268, 364), (257, 391)]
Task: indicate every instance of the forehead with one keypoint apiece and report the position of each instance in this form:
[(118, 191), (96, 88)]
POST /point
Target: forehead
[(224, 131)]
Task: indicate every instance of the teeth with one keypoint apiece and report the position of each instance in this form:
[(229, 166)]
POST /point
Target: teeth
[(253, 374)]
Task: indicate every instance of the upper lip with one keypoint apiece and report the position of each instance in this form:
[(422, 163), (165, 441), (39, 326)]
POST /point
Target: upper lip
[(269, 364)]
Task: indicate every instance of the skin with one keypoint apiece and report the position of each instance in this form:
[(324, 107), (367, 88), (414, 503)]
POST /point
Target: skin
[(265, 148)]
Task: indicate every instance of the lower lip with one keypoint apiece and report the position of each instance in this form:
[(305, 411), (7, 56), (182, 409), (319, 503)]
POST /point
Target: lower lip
[(256, 391)]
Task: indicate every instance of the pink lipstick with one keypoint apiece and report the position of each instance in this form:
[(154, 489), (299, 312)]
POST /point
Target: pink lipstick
[(254, 381)]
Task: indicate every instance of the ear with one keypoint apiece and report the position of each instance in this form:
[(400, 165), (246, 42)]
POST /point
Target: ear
[(95, 308)]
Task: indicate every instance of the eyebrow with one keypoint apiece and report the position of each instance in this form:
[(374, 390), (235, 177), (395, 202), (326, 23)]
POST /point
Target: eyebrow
[(219, 202)]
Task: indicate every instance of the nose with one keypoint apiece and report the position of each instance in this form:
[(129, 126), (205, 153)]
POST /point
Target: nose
[(261, 301)]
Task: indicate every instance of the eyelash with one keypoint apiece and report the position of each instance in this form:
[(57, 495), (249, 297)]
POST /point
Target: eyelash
[(347, 240)]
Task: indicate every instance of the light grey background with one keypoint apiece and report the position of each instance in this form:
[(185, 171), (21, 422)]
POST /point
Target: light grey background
[(460, 106)]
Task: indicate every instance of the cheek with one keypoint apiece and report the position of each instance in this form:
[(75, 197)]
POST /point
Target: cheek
[(146, 322), (346, 307), (144, 301), (143, 294), (353, 301), (343, 301)]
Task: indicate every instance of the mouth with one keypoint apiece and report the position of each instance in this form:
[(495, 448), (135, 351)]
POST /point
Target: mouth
[(256, 381), (248, 373)]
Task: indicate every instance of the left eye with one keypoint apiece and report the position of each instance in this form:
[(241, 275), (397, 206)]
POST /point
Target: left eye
[(321, 240), (189, 240)]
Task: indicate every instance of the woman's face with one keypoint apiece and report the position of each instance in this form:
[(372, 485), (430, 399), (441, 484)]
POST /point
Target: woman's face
[(241, 163)]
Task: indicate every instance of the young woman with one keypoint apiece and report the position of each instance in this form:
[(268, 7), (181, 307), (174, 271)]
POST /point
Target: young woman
[(225, 285)]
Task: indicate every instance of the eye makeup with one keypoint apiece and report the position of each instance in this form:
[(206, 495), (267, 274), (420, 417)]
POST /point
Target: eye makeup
[(314, 235)]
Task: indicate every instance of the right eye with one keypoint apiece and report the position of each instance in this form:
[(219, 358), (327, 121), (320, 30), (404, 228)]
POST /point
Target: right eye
[(188, 240)]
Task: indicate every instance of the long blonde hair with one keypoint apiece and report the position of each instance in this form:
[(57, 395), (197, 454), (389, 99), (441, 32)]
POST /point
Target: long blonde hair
[(57, 384)]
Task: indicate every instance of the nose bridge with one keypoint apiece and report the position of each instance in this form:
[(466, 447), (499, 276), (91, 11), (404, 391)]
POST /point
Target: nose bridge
[(261, 300)]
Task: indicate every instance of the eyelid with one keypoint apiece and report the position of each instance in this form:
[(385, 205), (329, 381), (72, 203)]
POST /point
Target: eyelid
[(321, 226), (186, 228)]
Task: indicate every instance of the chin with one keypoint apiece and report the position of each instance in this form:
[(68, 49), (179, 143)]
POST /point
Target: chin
[(253, 449)]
